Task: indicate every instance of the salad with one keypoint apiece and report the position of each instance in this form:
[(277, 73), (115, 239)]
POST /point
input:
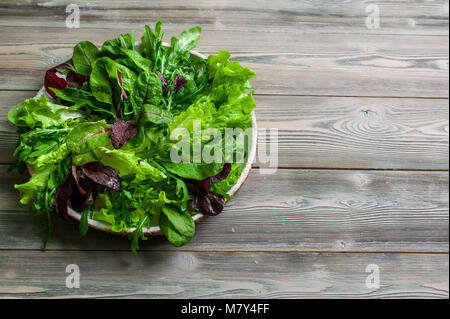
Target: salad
[(102, 140)]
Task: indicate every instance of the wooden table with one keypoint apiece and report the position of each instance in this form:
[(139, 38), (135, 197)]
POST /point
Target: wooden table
[(362, 114)]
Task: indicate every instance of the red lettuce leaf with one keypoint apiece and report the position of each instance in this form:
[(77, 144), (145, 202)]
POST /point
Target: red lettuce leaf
[(163, 81), (206, 183), (52, 80), (102, 175), (209, 204), (75, 80), (63, 195), (180, 81), (79, 199), (79, 192), (121, 132), (223, 174), (75, 178), (205, 202)]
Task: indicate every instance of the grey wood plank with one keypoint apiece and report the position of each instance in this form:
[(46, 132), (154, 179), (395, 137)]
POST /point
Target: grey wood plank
[(329, 16), (293, 210), (296, 64), (357, 132), (330, 132), (33, 274)]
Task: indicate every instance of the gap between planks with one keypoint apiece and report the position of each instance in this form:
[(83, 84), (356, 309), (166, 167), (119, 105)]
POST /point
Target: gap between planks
[(359, 169), (344, 169), (301, 252)]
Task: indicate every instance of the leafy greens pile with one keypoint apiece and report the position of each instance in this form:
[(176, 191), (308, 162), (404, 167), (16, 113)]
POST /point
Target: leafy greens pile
[(100, 140)]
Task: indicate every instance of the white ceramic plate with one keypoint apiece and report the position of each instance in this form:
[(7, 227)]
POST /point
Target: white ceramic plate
[(156, 230)]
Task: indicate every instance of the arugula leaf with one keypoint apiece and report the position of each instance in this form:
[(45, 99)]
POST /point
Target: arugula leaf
[(151, 45), (180, 47), (138, 234)]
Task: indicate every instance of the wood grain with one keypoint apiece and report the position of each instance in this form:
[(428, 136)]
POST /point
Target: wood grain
[(328, 16), (330, 132), (214, 275), (354, 103), (295, 64), (293, 210)]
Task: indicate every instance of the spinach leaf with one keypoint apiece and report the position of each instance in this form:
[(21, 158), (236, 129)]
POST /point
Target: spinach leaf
[(138, 60), (190, 170), (178, 227), (146, 90), (84, 54), (112, 48), (106, 83), (80, 98), (88, 136), (155, 114), (84, 222)]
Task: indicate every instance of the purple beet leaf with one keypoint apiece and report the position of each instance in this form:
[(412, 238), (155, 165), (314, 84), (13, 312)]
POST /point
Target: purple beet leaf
[(75, 178), (121, 132), (223, 174), (75, 80), (63, 195), (206, 183), (52, 80), (206, 203), (102, 175)]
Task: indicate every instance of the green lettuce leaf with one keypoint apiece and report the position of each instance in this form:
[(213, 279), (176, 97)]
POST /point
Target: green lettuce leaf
[(36, 112)]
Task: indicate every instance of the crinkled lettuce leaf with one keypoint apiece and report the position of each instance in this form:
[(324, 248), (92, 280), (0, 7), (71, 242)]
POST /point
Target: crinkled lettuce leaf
[(42, 113)]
